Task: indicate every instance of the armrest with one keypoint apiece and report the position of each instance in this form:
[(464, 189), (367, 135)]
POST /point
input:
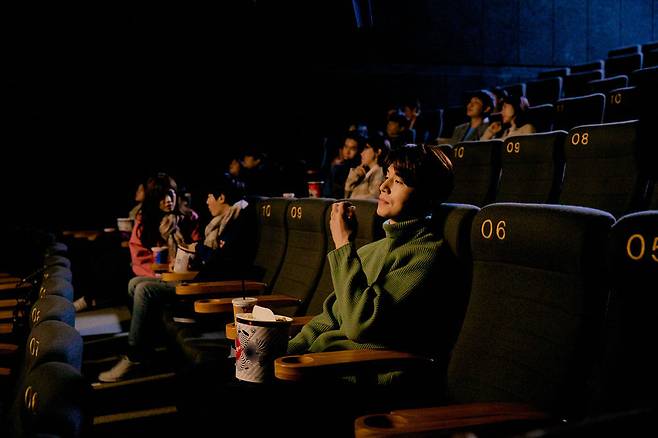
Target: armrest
[(160, 267), (297, 323), (7, 349), (224, 305), (10, 303), (423, 420), (6, 328), (314, 366), (9, 279), (86, 234), (178, 276), (221, 287), (12, 286)]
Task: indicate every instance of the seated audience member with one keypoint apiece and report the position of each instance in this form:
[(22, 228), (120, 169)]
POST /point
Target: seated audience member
[(222, 254), (514, 115), (348, 157), (478, 109), (398, 133), (163, 221), (255, 174), (364, 180), (234, 173), (380, 287)]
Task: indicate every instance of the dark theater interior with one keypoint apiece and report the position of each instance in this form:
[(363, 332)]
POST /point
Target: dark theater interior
[(365, 218)]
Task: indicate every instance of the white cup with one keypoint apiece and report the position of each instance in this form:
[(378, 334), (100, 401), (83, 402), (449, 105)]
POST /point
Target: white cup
[(257, 345)]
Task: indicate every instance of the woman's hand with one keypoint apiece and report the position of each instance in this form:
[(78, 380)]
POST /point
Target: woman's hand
[(361, 171), (495, 127), (342, 223)]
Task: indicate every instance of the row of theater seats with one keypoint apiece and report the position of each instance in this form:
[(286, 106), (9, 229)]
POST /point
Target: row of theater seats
[(41, 351), (538, 279), (596, 76), (586, 99), (559, 309), (607, 166)]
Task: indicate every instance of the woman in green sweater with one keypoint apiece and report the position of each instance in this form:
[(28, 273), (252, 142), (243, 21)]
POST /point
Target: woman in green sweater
[(384, 291)]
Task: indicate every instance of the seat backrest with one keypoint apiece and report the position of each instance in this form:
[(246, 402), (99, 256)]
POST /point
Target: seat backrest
[(623, 65), (631, 379), (620, 105), (576, 83), (453, 223), (542, 91), (650, 59), (537, 303), (589, 66), (369, 229), (452, 116), (647, 47), (575, 111), (56, 286), (555, 73), (627, 50), (57, 271), (541, 117), (603, 170), (53, 341), (272, 235), (52, 308), (532, 168), (57, 260), (477, 171), (607, 84), (306, 249), (515, 89), (430, 126), (53, 400)]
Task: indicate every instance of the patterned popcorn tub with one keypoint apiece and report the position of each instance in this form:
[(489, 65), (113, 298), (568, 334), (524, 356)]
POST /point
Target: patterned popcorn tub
[(257, 345)]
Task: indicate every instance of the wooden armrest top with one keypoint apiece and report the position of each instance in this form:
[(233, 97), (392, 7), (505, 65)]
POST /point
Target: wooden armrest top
[(10, 303), (8, 349), (12, 286), (413, 421), (160, 267), (297, 323), (4, 280), (86, 234), (6, 328), (178, 276), (218, 287), (224, 305), (312, 365)]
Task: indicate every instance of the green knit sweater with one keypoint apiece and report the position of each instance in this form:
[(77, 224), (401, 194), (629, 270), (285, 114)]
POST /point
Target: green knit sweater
[(380, 295)]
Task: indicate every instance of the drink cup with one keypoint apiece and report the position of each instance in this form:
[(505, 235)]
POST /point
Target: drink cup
[(243, 305), (315, 189), (160, 254)]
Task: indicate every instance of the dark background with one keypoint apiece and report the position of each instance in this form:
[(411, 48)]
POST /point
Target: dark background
[(96, 96)]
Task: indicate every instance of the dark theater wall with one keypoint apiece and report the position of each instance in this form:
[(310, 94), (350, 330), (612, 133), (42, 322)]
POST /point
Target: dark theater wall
[(537, 32), (97, 96)]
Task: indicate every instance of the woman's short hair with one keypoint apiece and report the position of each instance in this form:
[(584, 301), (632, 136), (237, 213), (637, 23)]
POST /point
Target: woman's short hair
[(427, 169), (379, 143), (520, 105)]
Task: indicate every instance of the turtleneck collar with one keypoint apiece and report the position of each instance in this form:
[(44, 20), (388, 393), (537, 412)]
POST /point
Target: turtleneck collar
[(405, 227)]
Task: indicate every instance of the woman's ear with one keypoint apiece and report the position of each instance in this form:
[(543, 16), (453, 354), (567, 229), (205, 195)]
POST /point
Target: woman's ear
[(221, 199)]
